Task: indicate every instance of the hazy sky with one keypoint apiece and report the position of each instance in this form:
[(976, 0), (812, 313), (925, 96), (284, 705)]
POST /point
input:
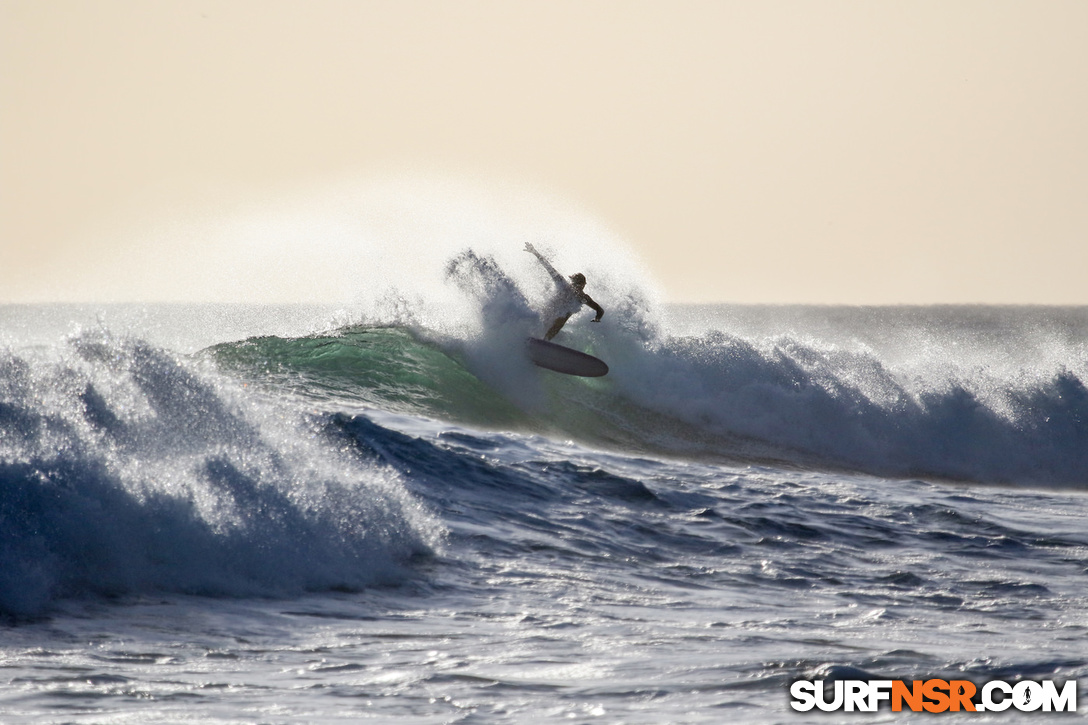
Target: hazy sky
[(838, 152)]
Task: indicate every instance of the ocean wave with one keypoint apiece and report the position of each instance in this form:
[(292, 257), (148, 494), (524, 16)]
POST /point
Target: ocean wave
[(849, 408), (780, 400), (126, 469)]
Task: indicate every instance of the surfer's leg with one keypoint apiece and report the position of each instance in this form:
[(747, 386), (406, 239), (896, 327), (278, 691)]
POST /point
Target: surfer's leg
[(556, 327)]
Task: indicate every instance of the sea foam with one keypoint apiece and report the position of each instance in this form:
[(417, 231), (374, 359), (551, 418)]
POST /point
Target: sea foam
[(127, 469)]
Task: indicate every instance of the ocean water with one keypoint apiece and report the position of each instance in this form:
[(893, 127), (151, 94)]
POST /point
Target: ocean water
[(308, 514)]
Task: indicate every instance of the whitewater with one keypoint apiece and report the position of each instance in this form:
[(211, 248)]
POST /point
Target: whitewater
[(335, 513)]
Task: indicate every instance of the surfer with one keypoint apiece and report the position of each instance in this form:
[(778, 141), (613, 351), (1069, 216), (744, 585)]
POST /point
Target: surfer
[(568, 299)]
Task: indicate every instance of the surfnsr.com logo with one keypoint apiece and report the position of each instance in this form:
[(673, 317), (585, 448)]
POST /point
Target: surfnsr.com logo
[(934, 695)]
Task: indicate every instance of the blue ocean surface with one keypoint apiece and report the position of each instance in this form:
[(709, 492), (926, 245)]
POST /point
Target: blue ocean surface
[(301, 514)]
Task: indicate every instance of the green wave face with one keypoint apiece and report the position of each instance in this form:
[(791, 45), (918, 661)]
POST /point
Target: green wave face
[(396, 370), (386, 367)]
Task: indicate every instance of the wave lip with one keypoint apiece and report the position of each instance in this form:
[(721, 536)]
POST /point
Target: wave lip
[(124, 469)]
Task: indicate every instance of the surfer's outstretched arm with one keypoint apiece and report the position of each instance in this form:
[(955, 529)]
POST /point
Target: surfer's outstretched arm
[(559, 279)]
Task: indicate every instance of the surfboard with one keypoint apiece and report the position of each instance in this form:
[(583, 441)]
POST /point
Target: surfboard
[(563, 359)]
